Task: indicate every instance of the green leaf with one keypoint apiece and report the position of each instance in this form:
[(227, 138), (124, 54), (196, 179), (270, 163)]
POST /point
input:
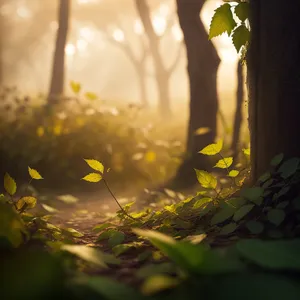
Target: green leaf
[(201, 202), (9, 184), (206, 179), (224, 163), (255, 227), (212, 149), (92, 177), (95, 164), (240, 37), (122, 248), (277, 160), (155, 269), (242, 11), (233, 173), (222, 215), (228, 229), (34, 174), (236, 202), (103, 226), (289, 167), (246, 151), (158, 283), (74, 232), (116, 238), (276, 216), (76, 87), (222, 21), (86, 253), (253, 194), (29, 201), (276, 255), (242, 212)]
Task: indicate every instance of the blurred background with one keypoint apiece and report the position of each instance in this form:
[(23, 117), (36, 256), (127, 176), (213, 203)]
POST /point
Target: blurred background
[(107, 78)]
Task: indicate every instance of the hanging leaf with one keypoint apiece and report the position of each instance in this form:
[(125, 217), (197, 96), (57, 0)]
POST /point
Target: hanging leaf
[(233, 173), (242, 11), (255, 227), (34, 174), (116, 238), (206, 179), (92, 177), (212, 149), (222, 21), (276, 216), (246, 151), (242, 212), (224, 163), (240, 37), (202, 131), (95, 164)]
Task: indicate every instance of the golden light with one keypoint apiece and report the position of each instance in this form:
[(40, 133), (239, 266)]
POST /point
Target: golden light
[(23, 12), (138, 27), (87, 33), (81, 44), (177, 32), (70, 49), (164, 10), (118, 35), (159, 24), (228, 55)]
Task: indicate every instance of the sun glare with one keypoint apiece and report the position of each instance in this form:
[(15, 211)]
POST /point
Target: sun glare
[(159, 24), (70, 49), (118, 35)]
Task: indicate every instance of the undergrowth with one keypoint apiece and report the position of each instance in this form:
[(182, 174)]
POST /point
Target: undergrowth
[(193, 246)]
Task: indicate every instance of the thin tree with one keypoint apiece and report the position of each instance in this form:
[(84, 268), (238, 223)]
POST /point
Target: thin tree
[(203, 62), (58, 66), (274, 82)]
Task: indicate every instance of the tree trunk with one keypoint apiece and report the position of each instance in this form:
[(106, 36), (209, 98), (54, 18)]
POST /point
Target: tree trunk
[(203, 62), (161, 73), (2, 33), (238, 117), (274, 82), (58, 67)]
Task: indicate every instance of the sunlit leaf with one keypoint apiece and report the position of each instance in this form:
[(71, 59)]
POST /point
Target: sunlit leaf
[(91, 96), (246, 151), (74, 232), (150, 156), (222, 21), (34, 174), (9, 184), (76, 87), (201, 202), (116, 238), (103, 226), (202, 131), (95, 164), (233, 173), (29, 201), (121, 248), (92, 177), (224, 163), (212, 149), (206, 179), (240, 37), (158, 283), (50, 209)]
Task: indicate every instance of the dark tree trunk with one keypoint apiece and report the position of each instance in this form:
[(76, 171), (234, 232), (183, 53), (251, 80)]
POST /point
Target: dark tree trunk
[(203, 62), (238, 117), (161, 73), (274, 82), (58, 67)]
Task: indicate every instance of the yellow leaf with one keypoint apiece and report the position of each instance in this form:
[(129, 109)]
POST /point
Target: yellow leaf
[(212, 149), (29, 201), (224, 163), (57, 130), (150, 156), (34, 174), (76, 87), (95, 164), (92, 177), (40, 131), (206, 179), (91, 96), (202, 130), (9, 184), (247, 151), (233, 173)]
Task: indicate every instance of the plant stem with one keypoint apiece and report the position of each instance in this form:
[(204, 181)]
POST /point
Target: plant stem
[(116, 200)]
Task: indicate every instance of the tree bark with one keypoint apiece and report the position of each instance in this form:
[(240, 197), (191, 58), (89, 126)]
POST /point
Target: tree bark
[(58, 66), (161, 73), (274, 82), (238, 117), (203, 62)]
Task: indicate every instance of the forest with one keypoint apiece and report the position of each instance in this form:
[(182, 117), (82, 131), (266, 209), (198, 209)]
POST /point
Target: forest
[(149, 149)]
